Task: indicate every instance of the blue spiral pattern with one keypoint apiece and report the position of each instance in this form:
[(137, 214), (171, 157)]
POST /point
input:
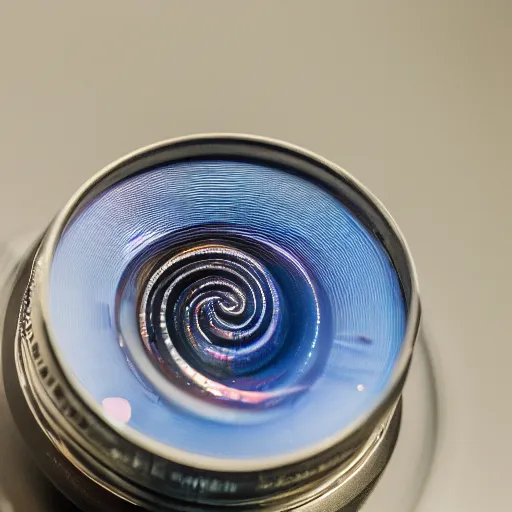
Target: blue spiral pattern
[(209, 288), (242, 311)]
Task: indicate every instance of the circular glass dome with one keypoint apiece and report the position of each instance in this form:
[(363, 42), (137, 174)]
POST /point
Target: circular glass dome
[(225, 308)]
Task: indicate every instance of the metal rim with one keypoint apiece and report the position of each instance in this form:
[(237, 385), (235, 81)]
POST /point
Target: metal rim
[(145, 158)]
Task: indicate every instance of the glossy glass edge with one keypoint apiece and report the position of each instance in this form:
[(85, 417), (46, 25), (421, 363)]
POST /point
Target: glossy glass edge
[(242, 146)]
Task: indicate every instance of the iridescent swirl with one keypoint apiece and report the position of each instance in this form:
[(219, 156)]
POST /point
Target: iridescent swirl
[(217, 305), (240, 310), (218, 322)]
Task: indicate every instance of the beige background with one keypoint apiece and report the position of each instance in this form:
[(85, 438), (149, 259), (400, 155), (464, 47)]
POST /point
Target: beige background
[(412, 97)]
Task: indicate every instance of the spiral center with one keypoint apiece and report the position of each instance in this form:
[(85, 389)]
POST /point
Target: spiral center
[(231, 319), (217, 308)]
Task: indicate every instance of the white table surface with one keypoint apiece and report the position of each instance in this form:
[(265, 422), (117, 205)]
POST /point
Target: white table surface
[(413, 98)]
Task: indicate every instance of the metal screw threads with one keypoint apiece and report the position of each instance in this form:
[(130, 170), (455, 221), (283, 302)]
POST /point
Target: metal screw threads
[(210, 325)]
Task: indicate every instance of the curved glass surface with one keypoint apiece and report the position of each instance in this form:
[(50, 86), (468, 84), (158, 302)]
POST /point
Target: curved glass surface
[(226, 308)]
